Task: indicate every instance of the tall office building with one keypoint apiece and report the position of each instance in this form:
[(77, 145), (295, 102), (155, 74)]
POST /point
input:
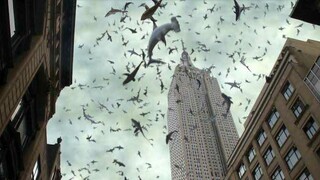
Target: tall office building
[(281, 137), (36, 52), (206, 134)]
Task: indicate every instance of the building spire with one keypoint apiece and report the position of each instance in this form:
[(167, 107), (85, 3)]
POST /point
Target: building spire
[(182, 43), (185, 58)]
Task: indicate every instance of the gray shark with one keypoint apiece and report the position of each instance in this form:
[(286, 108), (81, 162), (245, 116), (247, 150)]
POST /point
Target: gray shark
[(158, 34)]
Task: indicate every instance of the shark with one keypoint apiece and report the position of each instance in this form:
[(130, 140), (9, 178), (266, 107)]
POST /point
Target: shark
[(239, 9), (114, 11), (150, 11), (158, 34)]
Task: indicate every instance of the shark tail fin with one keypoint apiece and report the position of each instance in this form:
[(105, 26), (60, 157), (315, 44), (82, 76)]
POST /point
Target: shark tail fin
[(158, 61)]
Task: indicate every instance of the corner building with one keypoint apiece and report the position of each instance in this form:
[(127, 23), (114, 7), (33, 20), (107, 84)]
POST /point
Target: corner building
[(36, 52), (281, 137), (206, 134)]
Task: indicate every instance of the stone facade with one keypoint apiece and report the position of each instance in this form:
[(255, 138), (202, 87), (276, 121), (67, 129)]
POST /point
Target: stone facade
[(205, 136), (281, 137), (32, 35)]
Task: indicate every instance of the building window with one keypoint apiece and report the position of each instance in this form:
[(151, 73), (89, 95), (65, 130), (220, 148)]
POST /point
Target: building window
[(11, 156), (21, 123), (17, 111), (22, 128), (292, 157), (241, 170), (3, 171), (251, 154), (287, 90), (310, 128), (261, 137), (268, 155), (298, 108), (273, 117), (278, 174), (313, 79), (282, 136), (305, 175), (36, 170), (21, 18), (11, 17), (257, 173)]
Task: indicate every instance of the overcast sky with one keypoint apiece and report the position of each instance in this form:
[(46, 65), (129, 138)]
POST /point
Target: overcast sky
[(97, 82)]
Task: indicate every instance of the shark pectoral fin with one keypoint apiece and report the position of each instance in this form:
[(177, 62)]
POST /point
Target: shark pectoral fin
[(163, 39), (136, 130), (154, 23)]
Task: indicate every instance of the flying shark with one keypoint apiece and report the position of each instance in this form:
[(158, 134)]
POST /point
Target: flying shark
[(158, 34), (238, 9)]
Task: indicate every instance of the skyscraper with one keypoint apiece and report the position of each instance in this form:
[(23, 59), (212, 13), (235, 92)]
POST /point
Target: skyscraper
[(206, 134)]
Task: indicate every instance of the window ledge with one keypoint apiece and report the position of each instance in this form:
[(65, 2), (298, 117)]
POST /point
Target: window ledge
[(288, 101), (290, 170)]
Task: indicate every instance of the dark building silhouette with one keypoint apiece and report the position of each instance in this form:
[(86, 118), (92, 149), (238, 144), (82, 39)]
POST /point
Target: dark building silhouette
[(307, 10), (281, 137), (36, 52)]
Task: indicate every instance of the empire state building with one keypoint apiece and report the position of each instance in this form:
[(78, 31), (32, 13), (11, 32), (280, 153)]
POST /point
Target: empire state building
[(205, 136)]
